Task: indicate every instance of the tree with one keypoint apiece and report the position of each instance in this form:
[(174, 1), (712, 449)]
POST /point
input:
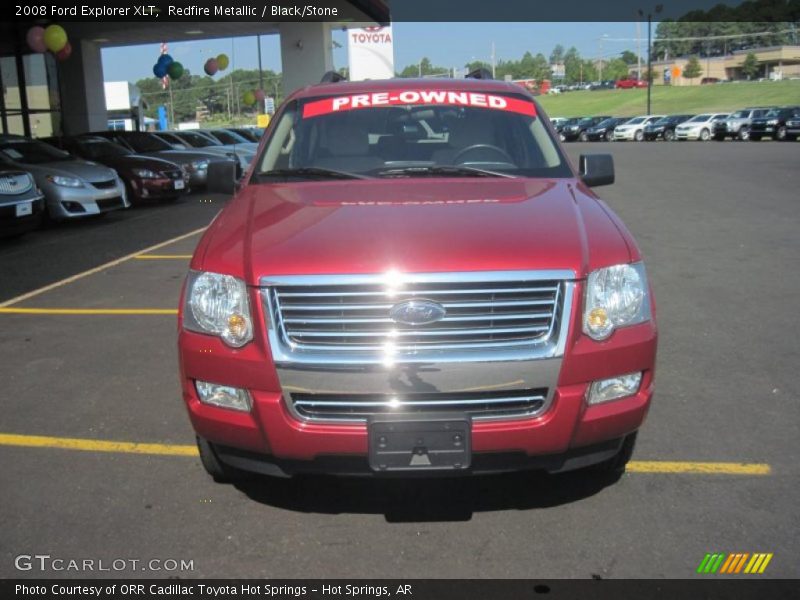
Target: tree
[(692, 69), (750, 66), (557, 55), (615, 69), (629, 57)]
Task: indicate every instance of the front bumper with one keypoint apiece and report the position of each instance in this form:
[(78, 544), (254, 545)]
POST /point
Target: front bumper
[(11, 224), (153, 189), (71, 203), (691, 134), (271, 434), (625, 136)]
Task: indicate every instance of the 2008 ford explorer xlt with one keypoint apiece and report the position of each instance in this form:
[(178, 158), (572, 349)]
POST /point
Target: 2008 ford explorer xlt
[(413, 279)]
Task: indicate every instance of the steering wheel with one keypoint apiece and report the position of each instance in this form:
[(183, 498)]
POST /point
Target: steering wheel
[(474, 147)]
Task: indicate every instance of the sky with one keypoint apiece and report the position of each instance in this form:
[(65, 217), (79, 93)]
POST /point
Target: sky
[(449, 46)]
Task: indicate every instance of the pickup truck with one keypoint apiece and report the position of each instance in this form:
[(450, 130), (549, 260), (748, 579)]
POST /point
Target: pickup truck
[(413, 279)]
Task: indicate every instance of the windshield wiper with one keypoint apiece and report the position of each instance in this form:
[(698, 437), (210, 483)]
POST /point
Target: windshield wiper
[(442, 170), (311, 173)]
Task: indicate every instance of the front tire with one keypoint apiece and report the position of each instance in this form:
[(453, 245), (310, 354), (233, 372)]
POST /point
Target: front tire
[(583, 137), (780, 134), (705, 135), (744, 134), (615, 466), (609, 136), (669, 135), (638, 136)]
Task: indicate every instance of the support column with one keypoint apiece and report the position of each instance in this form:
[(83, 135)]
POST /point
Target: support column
[(306, 53), (83, 99)]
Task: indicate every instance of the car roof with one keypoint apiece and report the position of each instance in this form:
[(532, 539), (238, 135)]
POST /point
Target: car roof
[(361, 87)]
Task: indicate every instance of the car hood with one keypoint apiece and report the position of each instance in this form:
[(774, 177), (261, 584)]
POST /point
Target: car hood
[(90, 171), (136, 161), (185, 156), (413, 225)]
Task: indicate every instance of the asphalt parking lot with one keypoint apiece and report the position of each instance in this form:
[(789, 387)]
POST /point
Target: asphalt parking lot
[(95, 359)]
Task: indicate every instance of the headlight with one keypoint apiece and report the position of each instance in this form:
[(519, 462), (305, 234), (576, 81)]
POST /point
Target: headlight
[(218, 305), (772, 122), (615, 297), (64, 181), (146, 174), (199, 165)]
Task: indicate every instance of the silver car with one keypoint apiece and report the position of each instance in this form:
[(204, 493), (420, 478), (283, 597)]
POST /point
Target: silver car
[(73, 188), (198, 141), (21, 203), (737, 124)]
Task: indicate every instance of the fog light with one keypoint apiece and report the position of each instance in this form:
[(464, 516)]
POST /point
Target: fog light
[(223, 396), (614, 388)]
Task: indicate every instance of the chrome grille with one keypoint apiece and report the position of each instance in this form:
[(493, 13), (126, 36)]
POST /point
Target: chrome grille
[(105, 185), (352, 313), (359, 407), (16, 183)]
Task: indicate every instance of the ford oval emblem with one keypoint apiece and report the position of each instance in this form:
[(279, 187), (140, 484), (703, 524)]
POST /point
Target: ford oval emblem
[(417, 312)]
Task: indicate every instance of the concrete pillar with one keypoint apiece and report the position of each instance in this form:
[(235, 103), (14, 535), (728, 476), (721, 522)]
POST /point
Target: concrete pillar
[(83, 100), (306, 53)]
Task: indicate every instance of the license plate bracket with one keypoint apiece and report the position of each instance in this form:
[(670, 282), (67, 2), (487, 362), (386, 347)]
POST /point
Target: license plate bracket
[(410, 443), (24, 209), (179, 184)]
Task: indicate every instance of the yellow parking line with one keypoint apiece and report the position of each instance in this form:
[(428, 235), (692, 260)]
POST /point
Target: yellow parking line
[(649, 466), (162, 256), (88, 311), (39, 441), (712, 468), (97, 269)]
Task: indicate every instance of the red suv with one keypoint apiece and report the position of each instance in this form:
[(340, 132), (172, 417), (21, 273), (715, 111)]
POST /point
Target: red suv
[(414, 279)]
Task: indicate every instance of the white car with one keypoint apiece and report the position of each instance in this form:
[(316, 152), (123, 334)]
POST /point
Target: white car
[(699, 127), (633, 130)]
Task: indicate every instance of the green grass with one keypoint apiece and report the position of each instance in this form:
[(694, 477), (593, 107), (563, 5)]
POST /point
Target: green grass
[(672, 100)]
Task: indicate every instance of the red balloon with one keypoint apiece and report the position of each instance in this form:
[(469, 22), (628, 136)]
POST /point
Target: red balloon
[(260, 95), (35, 39), (64, 53), (211, 66)]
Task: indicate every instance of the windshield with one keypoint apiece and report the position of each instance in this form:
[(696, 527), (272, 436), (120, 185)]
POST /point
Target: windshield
[(32, 152), (636, 121), (740, 114), (228, 137), (196, 140), (699, 119), (471, 131), (606, 123), (145, 142), (97, 149)]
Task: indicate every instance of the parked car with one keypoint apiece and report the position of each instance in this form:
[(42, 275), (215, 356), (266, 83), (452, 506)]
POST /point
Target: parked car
[(709, 80), (145, 143), (633, 129), (604, 130), (577, 131), (699, 127), (559, 127), (342, 304), (630, 83), (72, 187), (558, 121), (230, 138), (664, 128), (737, 125), (21, 202), (793, 126), (772, 124), (251, 133), (145, 177), (198, 141)]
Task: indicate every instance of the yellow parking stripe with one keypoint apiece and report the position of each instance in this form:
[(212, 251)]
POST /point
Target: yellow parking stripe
[(99, 268), (764, 564), (38, 441), (162, 256), (88, 311), (711, 468)]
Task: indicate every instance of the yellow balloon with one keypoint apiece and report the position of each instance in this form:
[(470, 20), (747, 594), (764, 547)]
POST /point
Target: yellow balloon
[(249, 98), (223, 62), (55, 38)]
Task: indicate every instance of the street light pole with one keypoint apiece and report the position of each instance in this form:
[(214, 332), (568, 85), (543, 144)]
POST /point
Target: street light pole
[(649, 73)]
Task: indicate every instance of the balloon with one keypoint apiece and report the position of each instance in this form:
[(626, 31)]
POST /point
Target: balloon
[(55, 38), (64, 53), (160, 70), (175, 70), (223, 62), (249, 98), (260, 95), (35, 39), (165, 59), (211, 66)]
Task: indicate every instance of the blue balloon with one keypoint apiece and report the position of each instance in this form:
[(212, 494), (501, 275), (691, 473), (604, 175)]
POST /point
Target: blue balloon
[(165, 59), (160, 70)]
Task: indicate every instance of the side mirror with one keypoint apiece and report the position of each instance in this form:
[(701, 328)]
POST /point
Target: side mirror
[(596, 169), (222, 177)]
